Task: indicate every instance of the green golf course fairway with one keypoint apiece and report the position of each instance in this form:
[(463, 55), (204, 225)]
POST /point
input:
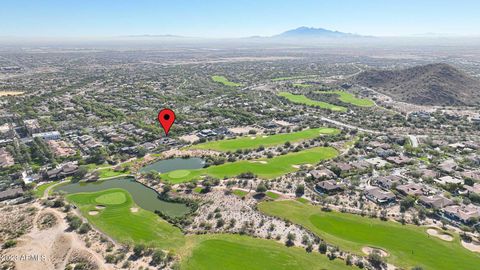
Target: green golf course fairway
[(264, 168), (225, 81), (213, 252), (253, 142), (232, 252), (407, 245), (119, 222), (301, 99), (349, 98)]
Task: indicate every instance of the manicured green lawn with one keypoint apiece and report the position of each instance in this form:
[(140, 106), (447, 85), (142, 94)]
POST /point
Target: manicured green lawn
[(301, 99), (232, 252), (39, 190), (253, 142), (119, 222), (349, 98), (407, 245), (264, 168), (302, 85), (272, 195), (111, 198), (239, 192), (225, 81), (109, 172)]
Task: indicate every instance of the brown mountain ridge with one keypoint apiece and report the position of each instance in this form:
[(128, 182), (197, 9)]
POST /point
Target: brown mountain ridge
[(432, 84)]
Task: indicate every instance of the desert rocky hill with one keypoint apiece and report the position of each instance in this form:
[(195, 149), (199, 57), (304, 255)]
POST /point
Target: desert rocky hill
[(433, 84)]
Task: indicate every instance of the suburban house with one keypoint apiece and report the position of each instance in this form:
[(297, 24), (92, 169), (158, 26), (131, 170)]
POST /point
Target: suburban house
[(399, 160), (462, 213), (11, 193), (379, 196), (448, 180), (448, 166), (435, 201), (322, 174), (329, 187), (62, 172), (410, 189), (387, 182)]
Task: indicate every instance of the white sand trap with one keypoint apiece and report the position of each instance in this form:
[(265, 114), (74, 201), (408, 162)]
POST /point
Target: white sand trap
[(472, 246), (298, 166), (134, 209), (258, 161), (443, 236), (264, 136), (93, 212), (369, 250), (100, 207)]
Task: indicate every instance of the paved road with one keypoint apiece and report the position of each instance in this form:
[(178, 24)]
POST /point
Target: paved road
[(349, 126)]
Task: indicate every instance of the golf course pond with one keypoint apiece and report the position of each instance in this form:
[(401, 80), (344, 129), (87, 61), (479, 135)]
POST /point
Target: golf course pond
[(143, 196), (168, 165)]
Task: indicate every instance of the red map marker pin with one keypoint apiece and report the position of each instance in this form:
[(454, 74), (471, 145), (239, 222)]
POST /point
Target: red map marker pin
[(166, 117)]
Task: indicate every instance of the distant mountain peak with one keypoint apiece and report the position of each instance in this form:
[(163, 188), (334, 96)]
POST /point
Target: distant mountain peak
[(312, 32)]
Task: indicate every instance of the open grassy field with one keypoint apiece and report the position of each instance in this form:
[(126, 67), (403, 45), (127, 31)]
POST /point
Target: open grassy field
[(225, 81), (264, 168), (350, 98), (253, 142), (407, 245), (232, 252), (301, 99), (118, 221)]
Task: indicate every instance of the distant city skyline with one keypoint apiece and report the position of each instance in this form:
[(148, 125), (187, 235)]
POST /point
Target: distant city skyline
[(243, 18)]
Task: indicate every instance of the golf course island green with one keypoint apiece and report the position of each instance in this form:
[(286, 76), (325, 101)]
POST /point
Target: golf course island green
[(117, 219), (407, 245), (264, 168), (349, 98), (225, 81), (253, 142), (301, 99), (142, 195)]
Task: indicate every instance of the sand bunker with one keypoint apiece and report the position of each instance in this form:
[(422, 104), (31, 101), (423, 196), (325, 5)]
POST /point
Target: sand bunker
[(441, 235), (472, 246), (134, 209), (93, 213), (259, 161), (100, 207), (369, 250)]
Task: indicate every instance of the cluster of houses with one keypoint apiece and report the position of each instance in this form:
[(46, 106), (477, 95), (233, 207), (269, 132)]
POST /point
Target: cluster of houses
[(395, 183)]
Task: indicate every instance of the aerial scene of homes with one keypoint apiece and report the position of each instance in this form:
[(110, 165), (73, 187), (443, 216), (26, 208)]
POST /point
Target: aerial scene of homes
[(305, 149)]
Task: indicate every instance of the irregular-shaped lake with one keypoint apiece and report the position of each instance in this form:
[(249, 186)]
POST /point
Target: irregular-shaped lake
[(168, 165), (143, 196)]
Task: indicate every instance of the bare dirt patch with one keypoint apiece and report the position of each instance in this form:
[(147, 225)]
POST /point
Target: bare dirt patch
[(46, 220), (441, 235), (370, 250), (10, 93)]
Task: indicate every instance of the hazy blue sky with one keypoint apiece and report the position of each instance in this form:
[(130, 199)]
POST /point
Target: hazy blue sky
[(227, 18)]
